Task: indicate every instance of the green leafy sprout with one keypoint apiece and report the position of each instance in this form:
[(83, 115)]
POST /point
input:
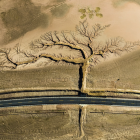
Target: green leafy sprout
[(90, 13)]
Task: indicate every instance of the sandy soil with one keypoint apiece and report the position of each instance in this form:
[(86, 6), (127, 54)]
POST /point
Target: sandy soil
[(60, 122), (36, 123), (121, 72), (39, 122), (107, 122), (70, 18), (64, 18)]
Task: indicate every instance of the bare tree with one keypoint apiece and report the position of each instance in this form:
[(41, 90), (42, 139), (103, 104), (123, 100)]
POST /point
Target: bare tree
[(82, 40)]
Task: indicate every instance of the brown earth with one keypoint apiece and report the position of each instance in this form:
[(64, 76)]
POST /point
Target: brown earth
[(38, 94), (39, 123), (61, 122), (51, 76), (107, 123), (104, 75), (120, 72)]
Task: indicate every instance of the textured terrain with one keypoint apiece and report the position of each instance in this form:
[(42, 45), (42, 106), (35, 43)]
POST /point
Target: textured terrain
[(39, 123), (70, 122), (122, 72), (112, 123)]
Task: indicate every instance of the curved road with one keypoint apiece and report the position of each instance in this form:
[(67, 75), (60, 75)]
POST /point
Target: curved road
[(68, 100)]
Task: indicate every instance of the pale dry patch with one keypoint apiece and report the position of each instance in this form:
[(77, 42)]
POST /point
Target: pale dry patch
[(111, 16), (68, 107), (111, 108)]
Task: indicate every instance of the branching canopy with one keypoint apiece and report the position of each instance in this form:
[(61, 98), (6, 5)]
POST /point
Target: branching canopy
[(81, 40)]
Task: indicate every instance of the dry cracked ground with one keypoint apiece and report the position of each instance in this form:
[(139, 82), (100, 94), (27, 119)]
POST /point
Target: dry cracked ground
[(70, 122)]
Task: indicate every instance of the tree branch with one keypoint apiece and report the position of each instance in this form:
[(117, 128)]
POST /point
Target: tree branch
[(77, 41), (115, 46), (73, 42), (66, 38), (70, 46), (54, 58), (66, 59), (7, 52), (48, 37), (82, 29), (56, 35)]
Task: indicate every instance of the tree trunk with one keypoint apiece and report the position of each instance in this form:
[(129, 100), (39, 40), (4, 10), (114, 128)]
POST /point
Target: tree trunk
[(84, 76)]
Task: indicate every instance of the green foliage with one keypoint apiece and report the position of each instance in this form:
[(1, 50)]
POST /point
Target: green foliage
[(83, 16), (97, 9), (82, 11), (99, 15), (90, 13)]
